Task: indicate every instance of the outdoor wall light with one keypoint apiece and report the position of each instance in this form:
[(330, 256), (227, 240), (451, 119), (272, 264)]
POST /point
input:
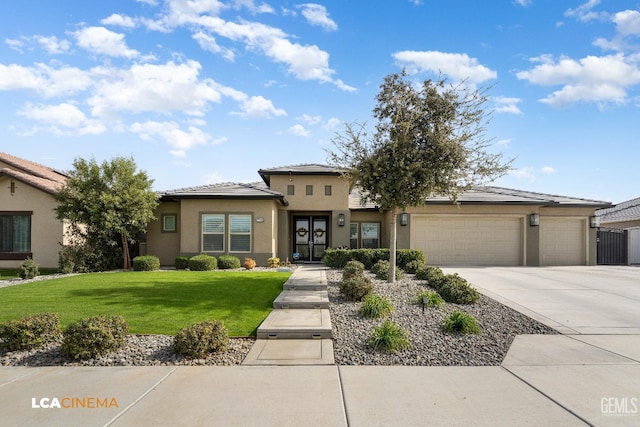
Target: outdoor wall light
[(404, 219), (534, 220), (594, 221), (341, 220), (12, 187)]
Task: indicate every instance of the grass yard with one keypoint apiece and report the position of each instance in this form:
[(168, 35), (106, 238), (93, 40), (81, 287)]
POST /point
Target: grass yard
[(12, 273), (152, 302)]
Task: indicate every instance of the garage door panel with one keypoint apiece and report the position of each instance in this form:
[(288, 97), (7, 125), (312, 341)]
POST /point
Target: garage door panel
[(469, 240), (562, 241)]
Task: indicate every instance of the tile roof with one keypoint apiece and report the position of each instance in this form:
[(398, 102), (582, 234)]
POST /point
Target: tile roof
[(625, 211), (226, 190), (302, 169), (35, 174)]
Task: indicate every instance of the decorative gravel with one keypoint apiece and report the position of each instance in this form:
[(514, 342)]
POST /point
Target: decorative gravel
[(431, 346)]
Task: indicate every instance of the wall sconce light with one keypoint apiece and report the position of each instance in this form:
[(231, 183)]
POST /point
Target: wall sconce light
[(12, 187), (341, 220), (534, 220), (404, 219), (594, 221)]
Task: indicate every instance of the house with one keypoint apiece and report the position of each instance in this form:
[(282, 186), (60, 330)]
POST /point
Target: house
[(296, 212), (620, 225), (28, 225)]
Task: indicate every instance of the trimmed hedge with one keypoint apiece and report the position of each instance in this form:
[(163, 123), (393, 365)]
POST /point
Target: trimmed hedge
[(94, 336), (433, 275), (228, 262), (381, 270), (458, 291), (182, 262), (28, 269), (338, 258), (356, 288), (200, 339), (352, 269), (30, 331), (203, 262), (146, 263)]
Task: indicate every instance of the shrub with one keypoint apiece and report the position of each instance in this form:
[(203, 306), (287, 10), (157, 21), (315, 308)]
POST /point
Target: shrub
[(366, 256), (461, 322), (458, 291), (227, 262), (30, 331), (433, 299), (94, 337), (352, 269), (249, 263), (375, 306), (203, 262), (336, 258), (413, 266), (146, 263), (200, 339), (355, 288), (273, 262), (94, 253), (433, 275), (28, 269), (381, 270), (390, 337), (182, 262), (406, 256)]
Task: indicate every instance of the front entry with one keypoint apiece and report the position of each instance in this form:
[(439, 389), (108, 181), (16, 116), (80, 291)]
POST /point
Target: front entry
[(311, 234)]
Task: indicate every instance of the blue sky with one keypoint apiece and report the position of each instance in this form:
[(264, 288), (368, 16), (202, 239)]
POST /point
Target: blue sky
[(203, 91)]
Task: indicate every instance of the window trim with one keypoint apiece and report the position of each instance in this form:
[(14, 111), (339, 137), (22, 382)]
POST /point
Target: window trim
[(328, 190), (19, 255), (203, 233), (164, 224), (309, 190), (249, 233), (379, 232), (291, 190), (359, 238)]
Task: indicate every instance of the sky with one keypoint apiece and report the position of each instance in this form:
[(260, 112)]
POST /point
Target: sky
[(208, 91)]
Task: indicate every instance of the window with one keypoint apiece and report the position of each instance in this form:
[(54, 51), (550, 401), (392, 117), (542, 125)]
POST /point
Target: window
[(370, 235), (169, 223), (291, 190), (353, 235), (240, 233), (309, 190), (15, 234), (327, 190), (212, 233)]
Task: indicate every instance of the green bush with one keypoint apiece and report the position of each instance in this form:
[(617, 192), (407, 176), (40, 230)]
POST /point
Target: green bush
[(461, 322), (94, 337), (433, 299), (273, 262), (96, 252), (336, 258), (355, 288), (406, 256), (390, 337), (29, 332), (458, 291), (28, 269), (200, 339), (412, 267), (182, 262), (203, 262), (375, 306), (381, 270), (433, 275), (227, 262), (365, 255), (146, 263), (352, 269)]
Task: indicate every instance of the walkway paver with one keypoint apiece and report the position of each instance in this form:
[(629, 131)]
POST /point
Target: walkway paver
[(291, 352)]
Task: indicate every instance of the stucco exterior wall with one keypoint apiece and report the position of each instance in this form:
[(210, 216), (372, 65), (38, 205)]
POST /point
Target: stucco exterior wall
[(300, 201), (164, 245)]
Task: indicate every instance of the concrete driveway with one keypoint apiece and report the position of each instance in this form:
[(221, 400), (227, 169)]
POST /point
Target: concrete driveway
[(573, 300)]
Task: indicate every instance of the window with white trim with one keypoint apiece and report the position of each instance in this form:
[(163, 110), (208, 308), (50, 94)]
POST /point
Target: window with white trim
[(240, 233), (169, 223), (370, 234), (213, 233), (353, 235)]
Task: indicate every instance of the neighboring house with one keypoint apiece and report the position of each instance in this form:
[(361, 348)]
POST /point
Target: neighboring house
[(28, 225), (624, 216), (299, 211)]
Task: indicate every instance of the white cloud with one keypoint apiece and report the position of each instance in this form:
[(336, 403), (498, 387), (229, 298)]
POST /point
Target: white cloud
[(15, 44), (119, 21), (583, 12), (458, 66), (627, 22), (599, 79), (316, 14), (507, 105), (311, 120), (332, 123), (180, 140), (548, 170), (148, 2), (52, 45), (256, 107), (524, 173), (503, 143), (299, 130), (45, 80), (252, 7), (63, 119), (523, 3), (209, 43), (102, 41)]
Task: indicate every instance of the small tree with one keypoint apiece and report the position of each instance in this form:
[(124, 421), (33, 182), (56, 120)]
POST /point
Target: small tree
[(106, 200), (429, 140)]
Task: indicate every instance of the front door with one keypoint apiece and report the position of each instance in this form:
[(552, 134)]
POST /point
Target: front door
[(311, 235)]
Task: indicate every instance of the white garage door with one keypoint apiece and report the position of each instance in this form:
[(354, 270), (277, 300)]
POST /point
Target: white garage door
[(468, 239), (562, 241)]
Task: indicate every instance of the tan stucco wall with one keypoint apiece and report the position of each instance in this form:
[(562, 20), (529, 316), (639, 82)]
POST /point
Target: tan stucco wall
[(46, 231), (339, 199), (165, 246)]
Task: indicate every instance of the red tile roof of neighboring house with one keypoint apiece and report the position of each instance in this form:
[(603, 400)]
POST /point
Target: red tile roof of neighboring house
[(35, 174)]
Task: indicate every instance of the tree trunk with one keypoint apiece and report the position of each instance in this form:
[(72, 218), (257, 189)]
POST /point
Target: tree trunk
[(126, 259), (392, 247)]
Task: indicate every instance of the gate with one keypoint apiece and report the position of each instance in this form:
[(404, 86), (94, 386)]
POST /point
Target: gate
[(612, 246)]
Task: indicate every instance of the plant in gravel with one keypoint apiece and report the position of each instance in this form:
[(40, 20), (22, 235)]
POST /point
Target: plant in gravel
[(458, 291), (30, 331), (249, 263), (200, 339), (431, 298), (461, 322), (433, 275), (146, 263), (390, 337), (228, 262), (28, 269), (413, 266), (375, 306), (203, 262), (381, 270), (273, 262), (353, 269), (356, 288), (94, 336)]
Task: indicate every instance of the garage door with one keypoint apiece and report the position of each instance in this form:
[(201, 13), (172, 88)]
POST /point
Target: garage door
[(468, 239), (562, 241)]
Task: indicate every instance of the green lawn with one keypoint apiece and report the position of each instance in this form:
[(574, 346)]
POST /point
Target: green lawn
[(152, 302)]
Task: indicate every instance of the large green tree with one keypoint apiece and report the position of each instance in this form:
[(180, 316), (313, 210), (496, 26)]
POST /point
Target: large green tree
[(108, 199), (429, 140)]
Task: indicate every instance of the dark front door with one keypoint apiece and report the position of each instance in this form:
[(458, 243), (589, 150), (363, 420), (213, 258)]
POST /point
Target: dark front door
[(311, 235)]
